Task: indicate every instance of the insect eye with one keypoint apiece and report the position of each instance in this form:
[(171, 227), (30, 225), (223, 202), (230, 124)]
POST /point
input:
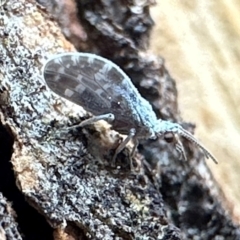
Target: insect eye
[(169, 137)]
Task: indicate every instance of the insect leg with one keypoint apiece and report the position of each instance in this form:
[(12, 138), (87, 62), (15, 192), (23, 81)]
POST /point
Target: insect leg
[(180, 148), (135, 141), (109, 117), (131, 134)]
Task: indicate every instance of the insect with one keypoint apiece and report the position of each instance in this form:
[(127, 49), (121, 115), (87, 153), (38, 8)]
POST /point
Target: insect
[(102, 88)]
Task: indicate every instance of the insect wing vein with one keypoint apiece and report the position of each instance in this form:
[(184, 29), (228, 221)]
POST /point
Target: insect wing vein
[(93, 82)]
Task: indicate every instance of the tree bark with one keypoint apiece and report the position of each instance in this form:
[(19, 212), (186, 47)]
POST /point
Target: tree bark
[(68, 177)]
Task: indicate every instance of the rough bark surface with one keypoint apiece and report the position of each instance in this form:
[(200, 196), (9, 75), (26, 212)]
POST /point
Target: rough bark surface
[(200, 42), (68, 178), (8, 225)]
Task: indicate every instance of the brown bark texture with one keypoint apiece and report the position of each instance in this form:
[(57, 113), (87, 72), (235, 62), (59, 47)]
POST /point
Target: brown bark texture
[(8, 225), (68, 178), (200, 42)]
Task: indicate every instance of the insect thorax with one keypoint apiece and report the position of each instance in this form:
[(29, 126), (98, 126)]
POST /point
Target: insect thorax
[(142, 131), (142, 119)]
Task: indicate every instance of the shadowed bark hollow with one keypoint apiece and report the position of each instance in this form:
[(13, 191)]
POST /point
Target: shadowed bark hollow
[(68, 177)]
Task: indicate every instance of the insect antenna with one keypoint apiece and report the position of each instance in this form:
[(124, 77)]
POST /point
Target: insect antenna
[(171, 131), (184, 133), (170, 137)]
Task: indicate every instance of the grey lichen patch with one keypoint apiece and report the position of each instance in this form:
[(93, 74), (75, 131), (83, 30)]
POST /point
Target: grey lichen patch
[(8, 226), (102, 204)]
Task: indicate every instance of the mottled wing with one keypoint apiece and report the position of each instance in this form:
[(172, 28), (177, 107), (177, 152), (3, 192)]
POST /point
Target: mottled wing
[(91, 81)]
